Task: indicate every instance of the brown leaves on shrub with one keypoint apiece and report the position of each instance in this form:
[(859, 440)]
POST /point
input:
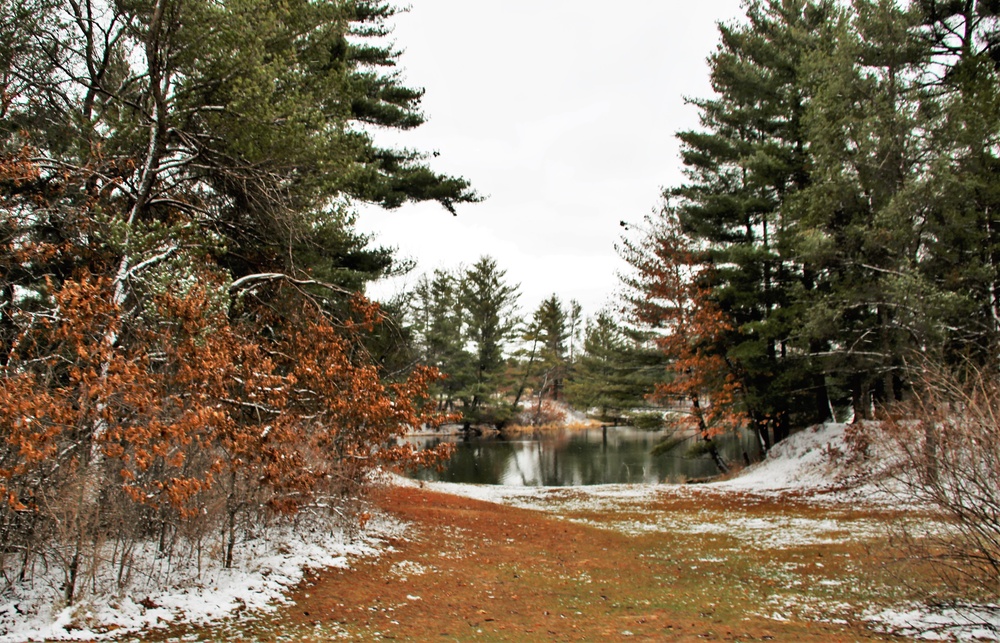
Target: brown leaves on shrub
[(198, 409)]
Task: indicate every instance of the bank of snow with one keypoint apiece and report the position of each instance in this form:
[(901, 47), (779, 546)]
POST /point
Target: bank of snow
[(269, 566), (809, 460)]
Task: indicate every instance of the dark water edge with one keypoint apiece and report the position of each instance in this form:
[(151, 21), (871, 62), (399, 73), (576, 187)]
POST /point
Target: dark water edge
[(577, 457)]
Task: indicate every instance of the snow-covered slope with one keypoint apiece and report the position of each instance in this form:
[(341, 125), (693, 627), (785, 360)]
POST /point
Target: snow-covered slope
[(270, 568), (805, 461)]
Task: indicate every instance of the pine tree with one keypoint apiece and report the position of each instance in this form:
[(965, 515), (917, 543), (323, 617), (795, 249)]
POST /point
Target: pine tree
[(858, 228), (174, 130), (549, 328), (438, 320), (489, 306), (748, 159), (616, 370), (961, 230)]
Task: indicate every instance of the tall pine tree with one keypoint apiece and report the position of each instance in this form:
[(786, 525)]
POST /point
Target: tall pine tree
[(743, 165)]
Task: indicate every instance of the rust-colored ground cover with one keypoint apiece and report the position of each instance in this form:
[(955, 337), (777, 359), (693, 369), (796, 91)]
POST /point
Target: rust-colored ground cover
[(675, 565)]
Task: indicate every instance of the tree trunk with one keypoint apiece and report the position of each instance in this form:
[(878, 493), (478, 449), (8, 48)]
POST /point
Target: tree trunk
[(824, 406), (716, 456), (703, 432), (527, 374), (541, 392), (861, 398), (8, 329), (781, 428), (760, 430), (74, 569), (888, 383), (231, 529)]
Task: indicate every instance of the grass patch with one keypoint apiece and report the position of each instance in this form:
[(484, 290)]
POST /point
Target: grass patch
[(668, 564)]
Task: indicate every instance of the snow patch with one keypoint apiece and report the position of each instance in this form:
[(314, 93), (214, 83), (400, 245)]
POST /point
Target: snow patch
[(974, 623), (272, 565), (406, 568), (801, 462)]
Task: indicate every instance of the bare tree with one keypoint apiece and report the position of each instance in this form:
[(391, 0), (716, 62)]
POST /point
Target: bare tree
[(944, 453)]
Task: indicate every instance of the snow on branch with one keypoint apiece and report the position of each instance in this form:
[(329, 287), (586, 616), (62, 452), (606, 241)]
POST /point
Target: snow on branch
[(250, 280)]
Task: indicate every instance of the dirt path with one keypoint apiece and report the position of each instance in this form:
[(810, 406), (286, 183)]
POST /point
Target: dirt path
[(472, 570)]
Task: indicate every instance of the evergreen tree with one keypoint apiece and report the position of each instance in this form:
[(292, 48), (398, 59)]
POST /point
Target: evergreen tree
[(438, 320), (749, 158), (842, 186), (575, 327), (549, 329), (858, 227), (960, 240), (489, 306), (174, 131), (616, 370)]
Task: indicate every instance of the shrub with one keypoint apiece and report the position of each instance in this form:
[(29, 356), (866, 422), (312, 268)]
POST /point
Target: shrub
[(195, 425), (545, 413), (944, 452)]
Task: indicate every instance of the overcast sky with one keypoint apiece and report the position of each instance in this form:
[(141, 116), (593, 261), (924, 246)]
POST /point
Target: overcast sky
[(562, 114)]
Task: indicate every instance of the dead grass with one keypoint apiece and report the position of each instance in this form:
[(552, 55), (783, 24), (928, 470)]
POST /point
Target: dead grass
[(517, 429), (679, 565)]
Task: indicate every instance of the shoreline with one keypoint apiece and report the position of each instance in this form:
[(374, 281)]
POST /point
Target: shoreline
[(485, 430)]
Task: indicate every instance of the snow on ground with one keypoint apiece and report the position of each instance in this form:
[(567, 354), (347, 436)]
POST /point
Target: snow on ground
[(802, 462), (945, 624), (596, 497), (808, 465), (268, 570)]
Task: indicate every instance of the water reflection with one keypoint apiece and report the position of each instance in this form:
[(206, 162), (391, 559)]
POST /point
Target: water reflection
[(574, 457)]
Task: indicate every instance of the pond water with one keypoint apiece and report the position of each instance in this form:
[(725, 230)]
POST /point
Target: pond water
[(575, 457)]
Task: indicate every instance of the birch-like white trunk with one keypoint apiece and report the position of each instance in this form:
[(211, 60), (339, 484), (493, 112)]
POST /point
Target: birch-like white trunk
[(158, 82)]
